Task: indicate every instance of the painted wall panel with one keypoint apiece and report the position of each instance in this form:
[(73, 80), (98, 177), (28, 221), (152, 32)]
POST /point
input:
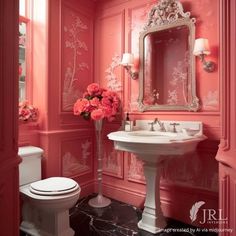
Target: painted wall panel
[(77, 49), (77, 156), (109, 29)]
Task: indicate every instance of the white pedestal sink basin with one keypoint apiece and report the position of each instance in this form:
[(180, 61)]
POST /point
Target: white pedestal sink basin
[(153, 148)]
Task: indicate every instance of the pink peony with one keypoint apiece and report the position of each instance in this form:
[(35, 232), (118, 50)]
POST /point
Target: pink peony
[(107, 111), (97, 103), (93, 89), (106, 101), (97, 114), (80, 106), (27, 112)]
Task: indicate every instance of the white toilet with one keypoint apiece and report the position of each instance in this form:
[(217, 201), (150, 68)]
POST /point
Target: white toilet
[(46, 203)]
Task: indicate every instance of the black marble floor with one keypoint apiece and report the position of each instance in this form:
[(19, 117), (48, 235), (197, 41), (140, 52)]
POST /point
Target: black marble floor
[(119, 219)]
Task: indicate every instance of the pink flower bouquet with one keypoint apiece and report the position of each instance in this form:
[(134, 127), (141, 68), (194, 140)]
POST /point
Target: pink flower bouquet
[(27, 112), (97, 103)]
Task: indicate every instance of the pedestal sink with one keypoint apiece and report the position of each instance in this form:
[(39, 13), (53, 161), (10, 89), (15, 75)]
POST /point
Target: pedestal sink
[(153, 148)]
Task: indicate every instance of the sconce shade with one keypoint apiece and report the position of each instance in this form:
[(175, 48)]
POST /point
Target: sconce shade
[(201, 46), (127, 59)]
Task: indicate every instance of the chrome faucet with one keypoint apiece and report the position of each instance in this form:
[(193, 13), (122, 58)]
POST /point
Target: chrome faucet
[(152, 124), (174, 127), (161, 124)]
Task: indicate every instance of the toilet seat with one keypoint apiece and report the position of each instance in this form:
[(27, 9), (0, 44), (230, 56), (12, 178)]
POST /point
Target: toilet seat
[(54, 186)]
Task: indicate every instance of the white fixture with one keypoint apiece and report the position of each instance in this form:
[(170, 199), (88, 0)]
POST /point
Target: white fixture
[(130, 64), (201, 49), (46, 203), (153, 148)]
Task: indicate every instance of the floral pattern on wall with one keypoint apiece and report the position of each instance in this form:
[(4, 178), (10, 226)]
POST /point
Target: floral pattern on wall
[(186, 171), (75, 57), (112, 163), (179, 82), (135, 170), (211, 101), (113, 83), (77, 161), (112, 159)]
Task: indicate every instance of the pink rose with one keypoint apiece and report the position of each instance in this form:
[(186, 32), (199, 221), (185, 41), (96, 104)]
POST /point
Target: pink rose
[(81, 105), (95, 102), (93, 89), (106, 101), (107, 111), (97, 114)]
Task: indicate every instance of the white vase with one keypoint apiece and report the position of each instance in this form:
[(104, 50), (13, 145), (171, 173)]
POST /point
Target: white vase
[(99, 200)]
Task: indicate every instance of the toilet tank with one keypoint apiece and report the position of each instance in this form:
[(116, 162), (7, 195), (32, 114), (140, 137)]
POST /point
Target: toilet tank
[(30, 167)]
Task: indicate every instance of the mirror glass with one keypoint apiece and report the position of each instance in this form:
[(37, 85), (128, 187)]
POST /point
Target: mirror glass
[(167, 77)]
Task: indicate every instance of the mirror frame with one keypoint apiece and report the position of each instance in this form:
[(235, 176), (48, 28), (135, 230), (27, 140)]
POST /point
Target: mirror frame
[(158, 22)]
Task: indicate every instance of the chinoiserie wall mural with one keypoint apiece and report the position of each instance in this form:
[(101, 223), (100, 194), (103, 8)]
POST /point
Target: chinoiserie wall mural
[(77, 159), (76, 61)]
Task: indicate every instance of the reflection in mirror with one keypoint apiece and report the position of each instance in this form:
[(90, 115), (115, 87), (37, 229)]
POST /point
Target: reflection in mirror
[(167, 77), (166, 66)]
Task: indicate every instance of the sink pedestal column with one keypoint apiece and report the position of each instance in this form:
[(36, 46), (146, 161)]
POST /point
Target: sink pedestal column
[(152, 218)]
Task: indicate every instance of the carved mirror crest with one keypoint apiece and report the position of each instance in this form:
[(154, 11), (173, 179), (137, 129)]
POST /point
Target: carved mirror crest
[(167, 65)]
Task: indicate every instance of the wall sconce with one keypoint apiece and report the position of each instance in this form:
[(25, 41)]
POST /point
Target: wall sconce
[(201, 49), (130, 64)]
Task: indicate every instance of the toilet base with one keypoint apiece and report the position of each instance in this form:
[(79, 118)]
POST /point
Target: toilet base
[(37, 222)]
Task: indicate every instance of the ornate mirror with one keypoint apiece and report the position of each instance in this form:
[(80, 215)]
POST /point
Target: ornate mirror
[(167, 65)]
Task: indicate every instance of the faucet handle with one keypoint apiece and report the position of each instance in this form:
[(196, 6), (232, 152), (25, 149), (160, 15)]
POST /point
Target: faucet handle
[(174, 126), (152, 126)]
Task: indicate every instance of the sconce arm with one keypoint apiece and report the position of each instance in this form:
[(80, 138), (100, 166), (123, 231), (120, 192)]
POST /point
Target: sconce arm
[(208, 66), (133, 74)]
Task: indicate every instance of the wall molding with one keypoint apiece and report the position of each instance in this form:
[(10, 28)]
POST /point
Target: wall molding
[(67, 94), (225, 73), (90, 158), (82, 132), (225, 203)]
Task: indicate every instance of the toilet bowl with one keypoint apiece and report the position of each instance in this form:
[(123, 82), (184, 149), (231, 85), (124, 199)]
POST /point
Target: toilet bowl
[(46, 203)]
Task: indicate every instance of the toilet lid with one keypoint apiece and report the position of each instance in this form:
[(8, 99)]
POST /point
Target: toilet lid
[(54, 186)]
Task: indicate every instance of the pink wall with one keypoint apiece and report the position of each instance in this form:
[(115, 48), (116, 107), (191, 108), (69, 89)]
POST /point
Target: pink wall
[(195, 177), (62, 70)]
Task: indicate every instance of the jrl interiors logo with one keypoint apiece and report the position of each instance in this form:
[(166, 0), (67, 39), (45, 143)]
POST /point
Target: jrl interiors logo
[(209, 216), (194, 210)]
